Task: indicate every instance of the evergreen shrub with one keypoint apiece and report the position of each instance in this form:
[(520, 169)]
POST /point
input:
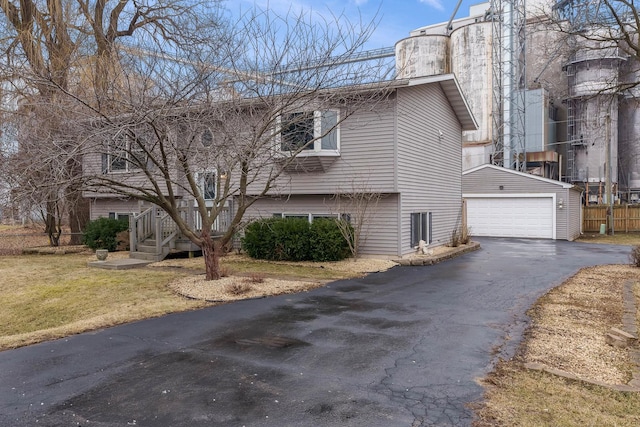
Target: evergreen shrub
[(101, 233)]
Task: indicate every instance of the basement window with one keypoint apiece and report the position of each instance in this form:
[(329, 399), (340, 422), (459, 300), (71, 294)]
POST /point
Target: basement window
[(311, 216), (421, 224)]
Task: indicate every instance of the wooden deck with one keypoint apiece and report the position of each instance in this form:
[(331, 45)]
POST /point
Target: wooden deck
[(154, 234)]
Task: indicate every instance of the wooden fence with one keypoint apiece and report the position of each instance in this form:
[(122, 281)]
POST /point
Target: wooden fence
[(626, 218)]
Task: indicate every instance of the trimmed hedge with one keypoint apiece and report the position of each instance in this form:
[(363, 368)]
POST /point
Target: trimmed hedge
[(101, 233), (294, 239), (327, 242)]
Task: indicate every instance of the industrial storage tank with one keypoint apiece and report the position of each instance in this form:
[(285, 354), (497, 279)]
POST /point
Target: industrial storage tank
[(593, 76), (471, 62), (591, 137), (629, 133), (629, 147), (424, 55)]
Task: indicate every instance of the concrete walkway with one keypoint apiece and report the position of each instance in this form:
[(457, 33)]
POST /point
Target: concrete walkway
[(119, 263), (399, 348)]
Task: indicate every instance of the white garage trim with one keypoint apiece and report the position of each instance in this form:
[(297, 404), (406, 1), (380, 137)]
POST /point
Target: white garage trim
[(551, 196)]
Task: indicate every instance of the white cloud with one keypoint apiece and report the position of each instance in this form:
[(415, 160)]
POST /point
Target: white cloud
[(436, 4)]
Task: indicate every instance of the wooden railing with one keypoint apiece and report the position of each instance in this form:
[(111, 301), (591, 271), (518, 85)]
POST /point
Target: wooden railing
[(191, 215), (142, 227), (166, 230), (155, 224), (626, 218)]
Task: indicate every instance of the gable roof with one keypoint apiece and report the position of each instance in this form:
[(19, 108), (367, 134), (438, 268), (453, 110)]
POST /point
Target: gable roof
[(518, 173), (453, 92)]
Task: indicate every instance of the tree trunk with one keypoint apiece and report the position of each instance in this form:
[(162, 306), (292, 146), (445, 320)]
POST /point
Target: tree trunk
[(78, 215), (51, 224), (211, 251)]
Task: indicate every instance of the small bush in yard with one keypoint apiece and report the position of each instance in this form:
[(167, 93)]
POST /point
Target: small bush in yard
[(634, 256), (327, 242), (237, 288), (255, 278), (101, 233), (225, 271)]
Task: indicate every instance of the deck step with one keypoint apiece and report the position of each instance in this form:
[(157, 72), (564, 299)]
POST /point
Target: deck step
[(154, 257), (144, 247)]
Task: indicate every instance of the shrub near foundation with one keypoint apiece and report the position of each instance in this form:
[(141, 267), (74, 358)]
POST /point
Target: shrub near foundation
[(327, 242), (294, 239), (101, 233), (291, 239)]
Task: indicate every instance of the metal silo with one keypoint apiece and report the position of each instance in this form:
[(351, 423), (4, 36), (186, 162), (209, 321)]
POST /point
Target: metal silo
[(593, 72), (471, 62), (424, 55)]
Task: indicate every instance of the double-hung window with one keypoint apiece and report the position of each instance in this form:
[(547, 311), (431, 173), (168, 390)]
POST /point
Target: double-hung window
[(125, 153), (208, 185), (310, 132)]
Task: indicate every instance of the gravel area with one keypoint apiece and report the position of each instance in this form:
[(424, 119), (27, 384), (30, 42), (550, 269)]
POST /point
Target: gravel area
[(570, 324), (235, 288)]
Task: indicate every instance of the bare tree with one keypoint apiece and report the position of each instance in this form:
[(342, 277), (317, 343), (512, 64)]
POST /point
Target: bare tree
[(59, 46), (355, 207)]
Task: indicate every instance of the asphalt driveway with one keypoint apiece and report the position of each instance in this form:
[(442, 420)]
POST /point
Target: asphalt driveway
[(399, 348)]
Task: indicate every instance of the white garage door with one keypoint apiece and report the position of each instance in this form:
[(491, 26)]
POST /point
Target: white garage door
[(511, 216)]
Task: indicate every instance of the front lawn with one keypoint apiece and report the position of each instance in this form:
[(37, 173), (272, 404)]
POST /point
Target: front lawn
[(50, 296)]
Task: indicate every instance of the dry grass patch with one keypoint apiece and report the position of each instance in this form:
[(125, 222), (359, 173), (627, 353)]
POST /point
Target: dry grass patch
[(50, 296), (570, 324), (237, 288), (567, 332), (524, 398), (13, 239), (628, 239)]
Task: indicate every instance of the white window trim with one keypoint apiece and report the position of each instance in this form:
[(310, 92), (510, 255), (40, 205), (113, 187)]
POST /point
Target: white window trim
[(200, 180), (117, 215), (317, 149), (310, 216), (128, 167)]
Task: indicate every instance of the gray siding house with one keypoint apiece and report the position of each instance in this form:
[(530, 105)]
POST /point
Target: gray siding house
[(506, 203), (408, 149)]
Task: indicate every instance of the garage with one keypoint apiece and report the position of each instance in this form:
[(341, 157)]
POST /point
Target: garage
[(506, 203), (511, 216)]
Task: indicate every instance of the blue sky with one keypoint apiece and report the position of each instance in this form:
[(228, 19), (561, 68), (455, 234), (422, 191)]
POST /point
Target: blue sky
[(397, 17)]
